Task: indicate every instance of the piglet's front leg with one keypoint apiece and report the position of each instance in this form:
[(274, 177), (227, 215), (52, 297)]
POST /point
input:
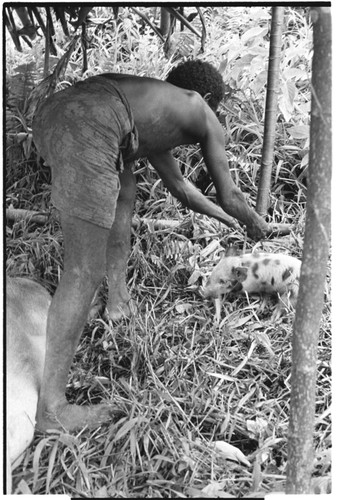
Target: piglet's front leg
[(287, 302)]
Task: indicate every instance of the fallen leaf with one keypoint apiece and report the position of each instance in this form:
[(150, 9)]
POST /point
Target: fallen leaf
[(101, 492), (182, 308), (221, 376), (194, 277), (256, 428), (321, 485), (215, 489), (237, 323), (230, 452)]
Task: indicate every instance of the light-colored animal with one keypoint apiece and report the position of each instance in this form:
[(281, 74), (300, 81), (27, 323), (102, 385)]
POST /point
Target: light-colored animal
[(27, 305), (256, 273)]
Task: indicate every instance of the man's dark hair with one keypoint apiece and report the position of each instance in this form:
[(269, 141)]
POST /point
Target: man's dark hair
[(200, 76)]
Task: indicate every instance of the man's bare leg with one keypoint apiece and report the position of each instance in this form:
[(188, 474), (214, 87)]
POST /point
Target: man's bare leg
[(118, 250), (84, 267)]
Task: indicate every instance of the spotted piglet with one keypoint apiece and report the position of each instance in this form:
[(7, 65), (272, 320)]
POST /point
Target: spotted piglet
[(256, 273)]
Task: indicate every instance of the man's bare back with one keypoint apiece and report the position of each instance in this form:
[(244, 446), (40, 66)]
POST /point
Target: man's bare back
[(167, 116)]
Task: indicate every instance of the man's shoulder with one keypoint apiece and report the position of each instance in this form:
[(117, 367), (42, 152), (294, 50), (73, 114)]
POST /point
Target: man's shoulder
[(171, 93)]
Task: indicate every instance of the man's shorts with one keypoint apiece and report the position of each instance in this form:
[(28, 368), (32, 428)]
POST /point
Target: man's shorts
[(83, 133)]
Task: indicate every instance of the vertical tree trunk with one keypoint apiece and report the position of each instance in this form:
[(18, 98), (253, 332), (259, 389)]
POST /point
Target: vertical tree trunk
[(271, 110), (315, 257)]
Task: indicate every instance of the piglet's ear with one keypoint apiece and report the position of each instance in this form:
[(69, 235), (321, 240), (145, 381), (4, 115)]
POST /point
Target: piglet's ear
[(240, 273)]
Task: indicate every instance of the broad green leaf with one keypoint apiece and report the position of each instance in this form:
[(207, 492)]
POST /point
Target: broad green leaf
[(286, 100), (299, 131), (263, 13), (253, 33), (296, 73)]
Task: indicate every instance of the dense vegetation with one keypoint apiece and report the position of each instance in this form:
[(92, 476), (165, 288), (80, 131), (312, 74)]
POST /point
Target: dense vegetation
[(179, 381)]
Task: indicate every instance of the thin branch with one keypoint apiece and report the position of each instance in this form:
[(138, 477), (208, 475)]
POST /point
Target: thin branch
[(41, 218), (181, 18), (147, 20), (271, 111), (204, 31), (10, 24)]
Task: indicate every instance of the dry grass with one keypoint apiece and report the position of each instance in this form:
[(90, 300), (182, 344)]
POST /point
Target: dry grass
[(179, 382)]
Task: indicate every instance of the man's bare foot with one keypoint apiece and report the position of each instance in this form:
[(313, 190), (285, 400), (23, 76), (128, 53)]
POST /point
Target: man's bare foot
[(118, 311), (119, 304), (71, 417), (95, 309), (96, 306)]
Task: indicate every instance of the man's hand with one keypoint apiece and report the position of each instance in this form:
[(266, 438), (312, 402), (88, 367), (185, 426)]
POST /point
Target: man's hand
[(264, 230), (185, 192), (278, 230), (258, 232)]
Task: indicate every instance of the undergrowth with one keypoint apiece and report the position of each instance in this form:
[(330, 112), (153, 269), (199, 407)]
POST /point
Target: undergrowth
[(178, 381)]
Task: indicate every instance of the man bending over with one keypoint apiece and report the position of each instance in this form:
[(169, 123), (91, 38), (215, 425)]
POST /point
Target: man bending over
[(90, 134)]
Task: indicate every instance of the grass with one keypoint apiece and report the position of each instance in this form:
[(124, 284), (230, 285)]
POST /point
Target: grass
[(180, 382)]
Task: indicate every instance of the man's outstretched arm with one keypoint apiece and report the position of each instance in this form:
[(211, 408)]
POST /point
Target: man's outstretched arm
[(229, 196), (234, 200), (184, 191)]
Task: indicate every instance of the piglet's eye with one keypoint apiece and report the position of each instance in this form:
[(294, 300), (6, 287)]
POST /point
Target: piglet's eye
[(221, 281)]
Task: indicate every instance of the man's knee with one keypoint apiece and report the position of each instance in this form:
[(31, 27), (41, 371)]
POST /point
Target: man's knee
[(85, 245)]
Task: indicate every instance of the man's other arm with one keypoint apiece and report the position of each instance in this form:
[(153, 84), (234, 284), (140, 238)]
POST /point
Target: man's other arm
[(169, 171)]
